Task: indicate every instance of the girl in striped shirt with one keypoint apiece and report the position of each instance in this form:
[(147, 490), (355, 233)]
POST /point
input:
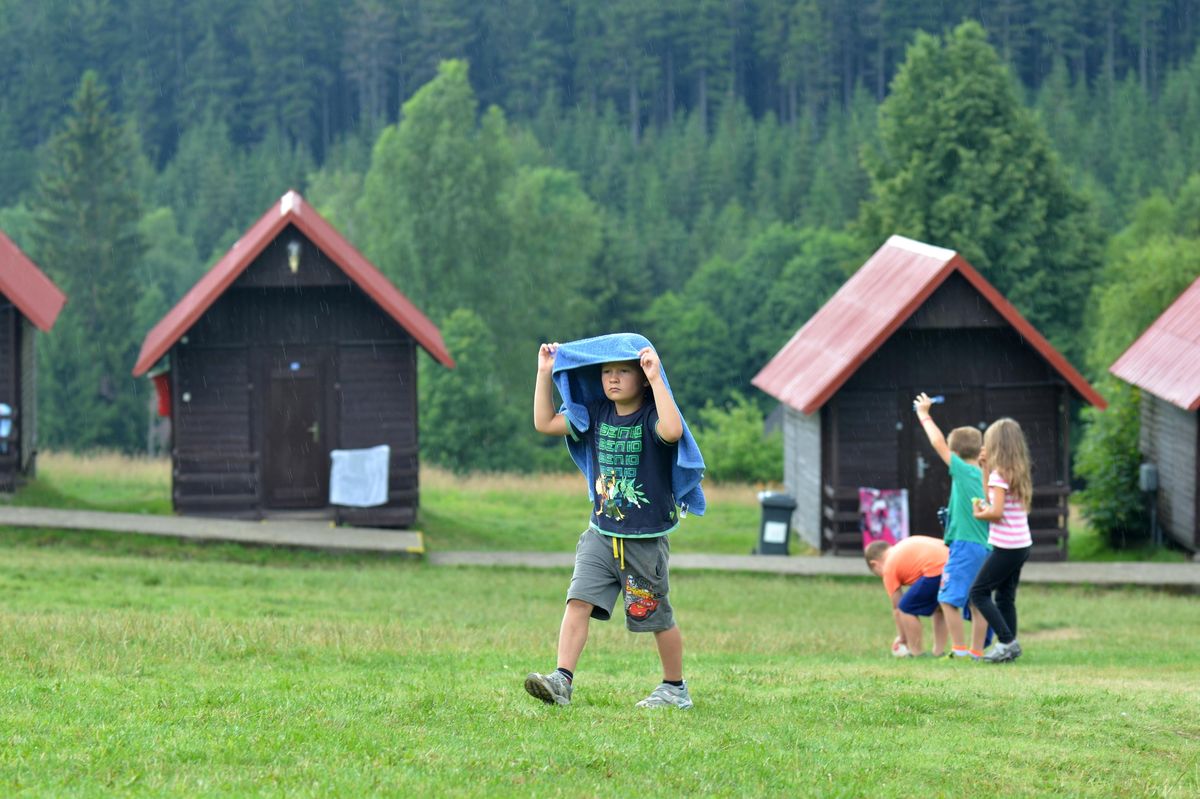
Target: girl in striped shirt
[(1005, 459)]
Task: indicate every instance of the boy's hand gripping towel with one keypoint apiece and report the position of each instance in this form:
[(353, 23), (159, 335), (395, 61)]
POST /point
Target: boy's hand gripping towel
[(577, 378)]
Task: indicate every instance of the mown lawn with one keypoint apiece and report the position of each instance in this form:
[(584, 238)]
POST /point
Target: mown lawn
[(518, 512), (180, 672), (99, 481), (481, 512)]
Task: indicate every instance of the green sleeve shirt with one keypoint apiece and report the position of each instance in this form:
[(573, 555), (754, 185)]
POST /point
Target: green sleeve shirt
[(966, 481)]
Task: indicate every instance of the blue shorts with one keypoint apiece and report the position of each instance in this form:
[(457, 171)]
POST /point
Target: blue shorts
[(921, 598), (961, 567)]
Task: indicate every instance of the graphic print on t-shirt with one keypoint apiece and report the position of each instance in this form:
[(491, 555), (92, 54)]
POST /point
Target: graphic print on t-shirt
[(619, 452), (632, 472)]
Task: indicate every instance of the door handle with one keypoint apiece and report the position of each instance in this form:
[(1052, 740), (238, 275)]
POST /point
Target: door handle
[(315, 431), (922, 465)]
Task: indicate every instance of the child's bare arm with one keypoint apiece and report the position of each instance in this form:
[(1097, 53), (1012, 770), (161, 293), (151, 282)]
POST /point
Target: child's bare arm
[(545, 418), (989, 512), (922, 406), (670, 423)]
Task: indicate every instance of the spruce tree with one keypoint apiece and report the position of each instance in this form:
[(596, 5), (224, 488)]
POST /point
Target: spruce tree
[(86, 237), (961, 163)]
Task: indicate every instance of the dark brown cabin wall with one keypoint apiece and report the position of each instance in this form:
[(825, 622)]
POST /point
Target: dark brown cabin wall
[(374, 363), (27, 397), (1008, 374), (215, 462), (10, 361), (8, 353), (270, 315), (274, 317), (862, 428), (951, 358), (378, 405), (1036, 409), (1013, 380), (866, 437), (271, 270), (955, 305), (1168, 440)]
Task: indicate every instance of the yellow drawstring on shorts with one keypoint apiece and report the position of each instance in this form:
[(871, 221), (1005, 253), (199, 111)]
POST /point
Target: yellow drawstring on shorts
[(622, 555)]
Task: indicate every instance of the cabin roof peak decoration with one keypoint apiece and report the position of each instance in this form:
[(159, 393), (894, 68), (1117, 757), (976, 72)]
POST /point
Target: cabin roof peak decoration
[(290, 209)]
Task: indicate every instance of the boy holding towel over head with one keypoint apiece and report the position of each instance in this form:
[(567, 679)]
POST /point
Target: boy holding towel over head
[(626, 434)]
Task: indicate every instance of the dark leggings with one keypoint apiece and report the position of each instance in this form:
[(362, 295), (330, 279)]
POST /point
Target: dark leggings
[(1000, 573)]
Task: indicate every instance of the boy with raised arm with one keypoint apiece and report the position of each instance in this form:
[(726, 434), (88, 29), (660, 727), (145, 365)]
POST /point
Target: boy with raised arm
[(966, 536)]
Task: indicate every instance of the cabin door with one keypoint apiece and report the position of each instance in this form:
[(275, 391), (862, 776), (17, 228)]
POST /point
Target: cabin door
[(296, 460), (929, 478)]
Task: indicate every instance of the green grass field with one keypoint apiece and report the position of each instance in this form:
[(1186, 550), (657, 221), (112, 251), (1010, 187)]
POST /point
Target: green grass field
[(484, 512), (181, 672), (139, 666)]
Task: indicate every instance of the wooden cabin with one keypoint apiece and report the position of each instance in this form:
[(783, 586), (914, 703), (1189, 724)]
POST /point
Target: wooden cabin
[(291, 346), (29, 302), (915, 318), (1165, 364)]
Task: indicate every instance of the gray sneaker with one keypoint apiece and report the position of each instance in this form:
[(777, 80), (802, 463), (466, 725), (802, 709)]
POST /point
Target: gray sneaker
[(1002, 653), (553, 688), (667, 695)]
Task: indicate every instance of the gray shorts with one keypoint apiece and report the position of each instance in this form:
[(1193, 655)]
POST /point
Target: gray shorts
[(599, 578)]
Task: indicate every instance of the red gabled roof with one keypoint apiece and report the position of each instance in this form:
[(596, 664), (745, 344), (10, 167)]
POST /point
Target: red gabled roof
[(868, 309), (34, 294), (1165, 360), (291, 209)]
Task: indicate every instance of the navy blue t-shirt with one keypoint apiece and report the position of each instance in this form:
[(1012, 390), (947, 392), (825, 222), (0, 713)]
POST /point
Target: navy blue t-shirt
[(633, 468)]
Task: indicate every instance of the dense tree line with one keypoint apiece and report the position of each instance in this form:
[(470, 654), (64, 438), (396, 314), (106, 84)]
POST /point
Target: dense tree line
[(707, 172), (311, 71)]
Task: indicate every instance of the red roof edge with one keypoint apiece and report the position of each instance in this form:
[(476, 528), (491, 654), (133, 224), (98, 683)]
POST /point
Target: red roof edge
[(765, 380), (1152, 361), (1006, 309), (376, 285), (887, 332), (290, 209), (34, 294)]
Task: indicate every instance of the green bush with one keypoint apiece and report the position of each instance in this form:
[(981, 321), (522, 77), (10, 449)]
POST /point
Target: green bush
[(466, 423), (734, 445), (1109, 459)]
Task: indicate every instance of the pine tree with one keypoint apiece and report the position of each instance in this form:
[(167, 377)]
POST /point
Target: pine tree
[(962, 164), (86, 237), (213, 88), (369, 46), (707, 42), (284, 39)]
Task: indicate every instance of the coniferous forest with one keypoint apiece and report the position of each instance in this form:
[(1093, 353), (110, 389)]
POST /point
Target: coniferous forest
[(707, 172)]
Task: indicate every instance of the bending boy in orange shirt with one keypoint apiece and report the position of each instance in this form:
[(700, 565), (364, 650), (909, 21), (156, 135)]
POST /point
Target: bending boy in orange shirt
[(916, 562)]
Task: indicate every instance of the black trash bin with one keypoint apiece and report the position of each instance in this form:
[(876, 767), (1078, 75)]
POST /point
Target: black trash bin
[(774, 533)]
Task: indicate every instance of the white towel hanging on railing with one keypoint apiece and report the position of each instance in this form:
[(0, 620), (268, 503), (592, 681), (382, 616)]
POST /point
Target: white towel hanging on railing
[(358, 478)]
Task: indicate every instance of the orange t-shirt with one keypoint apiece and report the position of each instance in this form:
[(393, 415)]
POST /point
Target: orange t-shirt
[(913, 558)]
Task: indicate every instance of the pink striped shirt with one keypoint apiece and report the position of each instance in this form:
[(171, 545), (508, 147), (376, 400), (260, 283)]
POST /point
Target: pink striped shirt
[(1012, 531)]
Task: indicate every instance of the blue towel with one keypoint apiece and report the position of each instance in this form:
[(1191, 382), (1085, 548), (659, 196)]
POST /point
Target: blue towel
[(577, 377)]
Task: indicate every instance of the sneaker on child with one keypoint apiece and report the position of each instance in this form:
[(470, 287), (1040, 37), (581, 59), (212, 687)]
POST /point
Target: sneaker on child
[(1003, 653), (667, 695), (553, 688)]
